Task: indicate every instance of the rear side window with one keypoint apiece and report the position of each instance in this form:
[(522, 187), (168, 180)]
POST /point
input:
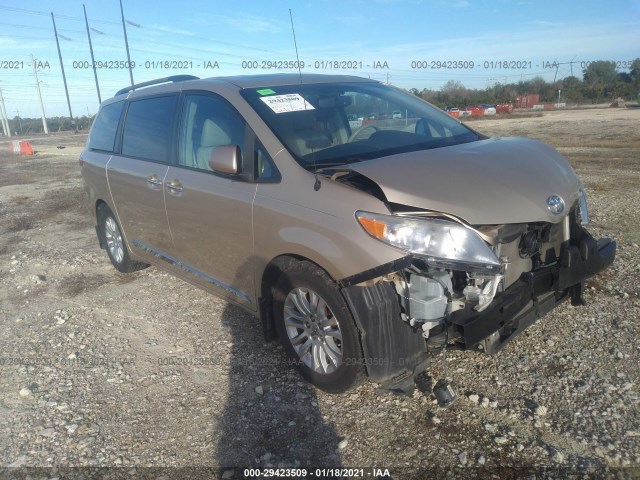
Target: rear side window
[(103, 132), (147, 128)]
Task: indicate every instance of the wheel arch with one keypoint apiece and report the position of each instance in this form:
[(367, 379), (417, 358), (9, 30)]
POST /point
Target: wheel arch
[(375, 311), (270, 275), (131, 263), (98, 205), (101, 203)]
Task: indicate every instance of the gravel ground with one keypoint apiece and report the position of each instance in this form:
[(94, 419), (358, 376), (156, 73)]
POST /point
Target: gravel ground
[(144, 370)]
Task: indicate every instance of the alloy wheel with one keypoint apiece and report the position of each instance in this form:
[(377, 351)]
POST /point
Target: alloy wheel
[(114, 239), (313, 330)]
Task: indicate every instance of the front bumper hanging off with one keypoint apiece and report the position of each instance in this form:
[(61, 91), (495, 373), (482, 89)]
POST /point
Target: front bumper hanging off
[(534, 295), (395, 352)]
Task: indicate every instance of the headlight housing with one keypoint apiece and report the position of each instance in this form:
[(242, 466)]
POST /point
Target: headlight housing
[(443, 243), (583, 212)]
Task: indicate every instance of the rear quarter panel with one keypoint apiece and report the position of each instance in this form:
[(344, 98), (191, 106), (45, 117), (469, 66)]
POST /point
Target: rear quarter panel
[(95, 179)]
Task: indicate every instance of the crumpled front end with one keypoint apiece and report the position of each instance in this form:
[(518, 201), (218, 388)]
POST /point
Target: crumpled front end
[(545, 265), (413, 308)]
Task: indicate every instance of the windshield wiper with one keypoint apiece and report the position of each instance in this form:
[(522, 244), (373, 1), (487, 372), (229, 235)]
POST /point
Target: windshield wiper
[(345, 161)]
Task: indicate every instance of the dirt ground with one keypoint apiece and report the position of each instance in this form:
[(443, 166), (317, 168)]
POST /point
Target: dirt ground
[(143, 370)]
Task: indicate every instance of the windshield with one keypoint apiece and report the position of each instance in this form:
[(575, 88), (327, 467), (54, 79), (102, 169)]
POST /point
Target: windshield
[(332, 124)]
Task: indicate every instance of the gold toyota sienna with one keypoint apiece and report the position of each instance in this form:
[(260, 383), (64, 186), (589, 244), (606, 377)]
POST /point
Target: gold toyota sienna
[(367, 243)]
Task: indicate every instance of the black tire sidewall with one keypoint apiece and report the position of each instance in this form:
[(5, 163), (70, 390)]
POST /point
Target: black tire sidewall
[(351, 371), (126, 265)]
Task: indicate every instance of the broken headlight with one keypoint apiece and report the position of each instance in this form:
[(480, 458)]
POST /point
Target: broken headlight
[(445, 244)]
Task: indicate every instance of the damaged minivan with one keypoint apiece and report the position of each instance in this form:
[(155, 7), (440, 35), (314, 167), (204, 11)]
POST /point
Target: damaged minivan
[(368, 243)]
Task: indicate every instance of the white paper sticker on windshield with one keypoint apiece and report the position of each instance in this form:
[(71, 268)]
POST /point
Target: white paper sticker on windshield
[(291, 102)]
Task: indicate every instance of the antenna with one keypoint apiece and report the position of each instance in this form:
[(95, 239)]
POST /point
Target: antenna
[(317, 184), (295, 43)]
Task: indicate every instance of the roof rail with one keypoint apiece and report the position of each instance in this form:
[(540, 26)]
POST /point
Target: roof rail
[(173, 78)]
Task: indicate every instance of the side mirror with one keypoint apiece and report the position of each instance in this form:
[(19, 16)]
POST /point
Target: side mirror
[(225, 159), (421, 128)]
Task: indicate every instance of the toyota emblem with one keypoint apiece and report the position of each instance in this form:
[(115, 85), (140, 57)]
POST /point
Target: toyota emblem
[(555, 204)]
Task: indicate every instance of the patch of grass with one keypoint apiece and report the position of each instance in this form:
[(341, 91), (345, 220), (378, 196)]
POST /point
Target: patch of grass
[(554, 367), (23, 213), (81, 223), (125, 278), (602, 161), (64, 200), (11, 242), (32, 292), (602, 142), (20, 200), (16, 178), (74, 285), (503, 116), (21, 223), (612, 183)]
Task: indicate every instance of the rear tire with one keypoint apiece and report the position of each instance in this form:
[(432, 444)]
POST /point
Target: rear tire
[(317, 329), (114, 242)]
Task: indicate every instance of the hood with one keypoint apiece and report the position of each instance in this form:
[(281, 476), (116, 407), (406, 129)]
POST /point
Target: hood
[(487, 182)]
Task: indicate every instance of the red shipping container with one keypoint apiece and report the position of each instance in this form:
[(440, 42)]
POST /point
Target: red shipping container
[(527, 101)]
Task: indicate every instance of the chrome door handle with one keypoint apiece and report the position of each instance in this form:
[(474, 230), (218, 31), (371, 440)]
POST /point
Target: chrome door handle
[(154, 181), (174, 186)]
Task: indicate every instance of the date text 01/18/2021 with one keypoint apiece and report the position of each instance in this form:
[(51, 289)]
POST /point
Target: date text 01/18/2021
[(316, 473)]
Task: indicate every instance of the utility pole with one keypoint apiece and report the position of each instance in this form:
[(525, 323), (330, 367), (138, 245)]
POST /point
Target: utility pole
[(64, 78), (126, 43), (2, 121), (5, 117), (44, 118), (93, 60), (19, 121)]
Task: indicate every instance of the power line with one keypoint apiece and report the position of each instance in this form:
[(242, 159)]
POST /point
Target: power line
[(46, 14), (24, 36)]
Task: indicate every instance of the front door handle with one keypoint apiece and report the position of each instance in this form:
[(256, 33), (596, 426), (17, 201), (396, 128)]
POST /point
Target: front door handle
[(154, 182), (174, 187)]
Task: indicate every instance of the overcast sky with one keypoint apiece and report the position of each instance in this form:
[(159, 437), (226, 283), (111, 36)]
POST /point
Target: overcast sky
[(410, 43)]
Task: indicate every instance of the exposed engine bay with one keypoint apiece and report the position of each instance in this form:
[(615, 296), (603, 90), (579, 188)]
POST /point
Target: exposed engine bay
[(431, 297), (452, 307)]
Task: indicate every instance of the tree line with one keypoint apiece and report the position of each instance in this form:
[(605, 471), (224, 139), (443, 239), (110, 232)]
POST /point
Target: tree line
[(30, 126), (601, 82)]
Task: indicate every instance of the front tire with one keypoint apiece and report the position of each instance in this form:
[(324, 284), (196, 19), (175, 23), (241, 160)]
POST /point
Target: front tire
[(114, 242), (317, 329)]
